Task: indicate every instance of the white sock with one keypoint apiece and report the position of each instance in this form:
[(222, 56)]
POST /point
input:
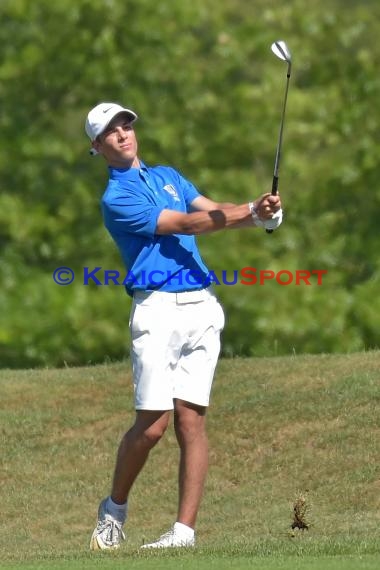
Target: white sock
[(184, 530), (118, 512)]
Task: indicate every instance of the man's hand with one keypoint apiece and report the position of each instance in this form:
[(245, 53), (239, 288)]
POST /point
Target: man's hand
[(266, 211), (267, 205)]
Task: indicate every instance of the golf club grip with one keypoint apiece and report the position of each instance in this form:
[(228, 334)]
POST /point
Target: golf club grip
[(274, 193), (274, 185)]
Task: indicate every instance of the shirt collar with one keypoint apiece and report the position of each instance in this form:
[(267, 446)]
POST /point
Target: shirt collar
[(127, 173)]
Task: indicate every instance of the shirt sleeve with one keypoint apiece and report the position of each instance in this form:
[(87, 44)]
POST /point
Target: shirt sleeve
[(189, 191), (130, 214)]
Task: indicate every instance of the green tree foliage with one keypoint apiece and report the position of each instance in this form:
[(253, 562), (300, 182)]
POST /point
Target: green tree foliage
[(209, 93)]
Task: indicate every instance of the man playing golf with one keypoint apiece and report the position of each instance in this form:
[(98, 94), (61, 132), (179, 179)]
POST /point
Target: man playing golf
[(153, 214)]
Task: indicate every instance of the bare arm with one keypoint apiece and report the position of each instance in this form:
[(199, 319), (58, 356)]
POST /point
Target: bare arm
[(204, 204), (172, 222), (211, 220)]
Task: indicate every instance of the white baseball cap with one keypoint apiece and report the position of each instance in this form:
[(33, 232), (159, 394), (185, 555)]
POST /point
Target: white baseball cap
[(100, 117)]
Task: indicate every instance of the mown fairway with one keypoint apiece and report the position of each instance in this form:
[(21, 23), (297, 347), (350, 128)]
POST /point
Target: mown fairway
[(278, 427)]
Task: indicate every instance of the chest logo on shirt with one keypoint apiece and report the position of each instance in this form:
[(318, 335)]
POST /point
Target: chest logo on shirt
[(172, 191)]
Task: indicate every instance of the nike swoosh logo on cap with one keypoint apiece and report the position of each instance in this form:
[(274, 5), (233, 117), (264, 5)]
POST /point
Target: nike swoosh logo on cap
[(106, 110)]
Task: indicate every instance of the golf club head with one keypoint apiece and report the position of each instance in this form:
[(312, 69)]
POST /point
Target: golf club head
[(281, 50)]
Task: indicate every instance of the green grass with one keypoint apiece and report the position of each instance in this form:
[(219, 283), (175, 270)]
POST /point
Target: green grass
[(277, 427), (205, 561)]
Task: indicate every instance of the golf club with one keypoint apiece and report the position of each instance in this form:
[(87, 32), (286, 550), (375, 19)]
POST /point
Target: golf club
[(280, 49)]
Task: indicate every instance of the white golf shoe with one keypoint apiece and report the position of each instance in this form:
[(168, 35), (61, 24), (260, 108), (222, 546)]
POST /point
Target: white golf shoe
[(108, 533), (174, 538)]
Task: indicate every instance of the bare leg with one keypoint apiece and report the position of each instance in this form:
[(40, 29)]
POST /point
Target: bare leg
[(190, 428), (134, 450)]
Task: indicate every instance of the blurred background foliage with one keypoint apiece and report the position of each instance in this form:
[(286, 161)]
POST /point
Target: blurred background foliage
[(209, 93)]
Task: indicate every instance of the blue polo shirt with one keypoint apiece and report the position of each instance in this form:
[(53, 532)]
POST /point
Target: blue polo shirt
[(131, 205)]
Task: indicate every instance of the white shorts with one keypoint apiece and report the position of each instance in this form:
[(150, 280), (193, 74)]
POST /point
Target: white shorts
[(175, 347)]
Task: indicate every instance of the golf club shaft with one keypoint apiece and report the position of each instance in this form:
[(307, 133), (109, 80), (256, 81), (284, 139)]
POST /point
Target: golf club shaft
[(279, 145)]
